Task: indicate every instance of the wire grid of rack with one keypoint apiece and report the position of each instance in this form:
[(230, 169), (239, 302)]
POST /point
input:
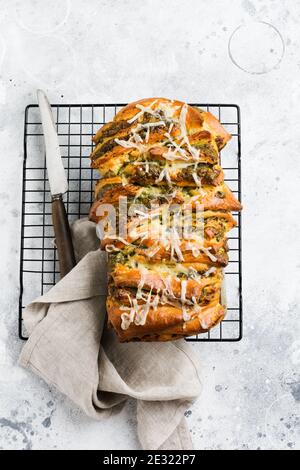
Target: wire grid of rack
[(76, 124)]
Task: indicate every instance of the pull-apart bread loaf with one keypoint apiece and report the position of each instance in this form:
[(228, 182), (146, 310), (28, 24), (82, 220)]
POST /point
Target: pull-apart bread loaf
[(165, 278)]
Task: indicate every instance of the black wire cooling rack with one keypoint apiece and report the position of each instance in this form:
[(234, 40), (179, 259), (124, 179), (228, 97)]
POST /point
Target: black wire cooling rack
[(39, 268)]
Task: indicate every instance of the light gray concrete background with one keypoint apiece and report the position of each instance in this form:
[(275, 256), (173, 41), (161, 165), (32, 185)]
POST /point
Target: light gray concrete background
[(114, 50)]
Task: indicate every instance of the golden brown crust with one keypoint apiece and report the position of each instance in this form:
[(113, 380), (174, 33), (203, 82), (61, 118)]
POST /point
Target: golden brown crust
[(196, 119), (164, 322), (216, 225), (203, 129), (162, 318), (161, 253), (218, 198), (159, 282)]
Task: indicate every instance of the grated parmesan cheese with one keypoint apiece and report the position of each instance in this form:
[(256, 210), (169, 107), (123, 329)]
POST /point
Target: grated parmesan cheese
[(210, 271), (164, 174), (143, 109)]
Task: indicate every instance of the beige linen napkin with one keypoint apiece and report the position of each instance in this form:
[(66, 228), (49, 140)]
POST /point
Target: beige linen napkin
[(70, 348)]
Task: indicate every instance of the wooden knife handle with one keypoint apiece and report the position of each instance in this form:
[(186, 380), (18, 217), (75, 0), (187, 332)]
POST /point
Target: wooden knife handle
[(63, 237)]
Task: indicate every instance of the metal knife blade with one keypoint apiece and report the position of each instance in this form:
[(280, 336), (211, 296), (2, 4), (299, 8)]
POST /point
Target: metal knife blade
[(58, 186), (56, 172)]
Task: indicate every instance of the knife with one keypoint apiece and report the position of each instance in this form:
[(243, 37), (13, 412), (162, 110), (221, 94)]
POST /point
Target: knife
[(58, 187)]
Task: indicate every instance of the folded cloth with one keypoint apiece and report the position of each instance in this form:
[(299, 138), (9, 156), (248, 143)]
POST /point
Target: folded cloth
[(70, 348)]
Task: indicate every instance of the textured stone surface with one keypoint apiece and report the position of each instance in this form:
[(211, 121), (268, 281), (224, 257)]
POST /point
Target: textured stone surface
[(112, 51)]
